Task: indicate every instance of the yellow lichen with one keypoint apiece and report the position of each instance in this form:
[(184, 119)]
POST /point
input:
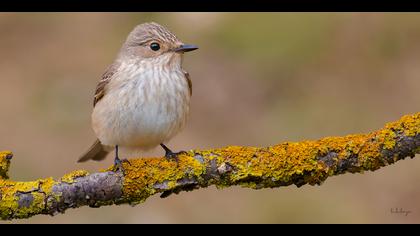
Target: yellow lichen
[(69, 178), (10, 192), (5, 163), (141, 174), (409, 124), (305, 162), (47, 185)]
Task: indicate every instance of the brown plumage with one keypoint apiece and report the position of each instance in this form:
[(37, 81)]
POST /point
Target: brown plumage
[(142, 99), (96, 152)]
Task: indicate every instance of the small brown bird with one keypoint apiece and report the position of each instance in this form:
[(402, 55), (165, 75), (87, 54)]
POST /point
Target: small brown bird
[(143, 98)]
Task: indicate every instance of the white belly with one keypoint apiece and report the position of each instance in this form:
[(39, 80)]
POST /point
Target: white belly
[(143, 111)]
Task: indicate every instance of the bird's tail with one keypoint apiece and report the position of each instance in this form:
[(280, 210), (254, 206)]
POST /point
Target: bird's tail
[(96, 152)]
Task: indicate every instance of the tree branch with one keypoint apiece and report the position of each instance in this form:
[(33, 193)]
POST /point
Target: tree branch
[(299, 163)]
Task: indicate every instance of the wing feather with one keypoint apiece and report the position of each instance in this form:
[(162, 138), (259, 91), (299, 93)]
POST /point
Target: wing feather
[(188, 78), (101, 87)]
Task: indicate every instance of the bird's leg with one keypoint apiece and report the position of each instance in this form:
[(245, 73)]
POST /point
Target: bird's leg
[(118, 163), (170, 155)]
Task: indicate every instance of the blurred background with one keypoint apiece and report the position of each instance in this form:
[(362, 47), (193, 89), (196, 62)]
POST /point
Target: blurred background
[(258, 79)]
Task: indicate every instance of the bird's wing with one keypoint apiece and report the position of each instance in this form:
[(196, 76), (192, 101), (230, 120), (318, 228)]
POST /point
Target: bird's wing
[(188, 78), (106, 77)]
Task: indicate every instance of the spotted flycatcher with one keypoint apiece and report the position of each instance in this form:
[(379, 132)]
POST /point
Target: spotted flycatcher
[(143, 98)]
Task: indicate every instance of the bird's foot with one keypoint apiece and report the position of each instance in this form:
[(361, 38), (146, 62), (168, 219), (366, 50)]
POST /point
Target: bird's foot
[(173, 156), (170, 155), (118, 165)]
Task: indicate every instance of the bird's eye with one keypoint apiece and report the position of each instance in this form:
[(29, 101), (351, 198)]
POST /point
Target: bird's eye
[(155, 46)]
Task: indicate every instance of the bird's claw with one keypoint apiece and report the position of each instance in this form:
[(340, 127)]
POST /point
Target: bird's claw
[(173, 156), (118, 165), (170, 155)]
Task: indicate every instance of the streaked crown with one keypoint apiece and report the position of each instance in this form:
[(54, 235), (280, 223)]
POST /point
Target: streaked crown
[(151, 40), (146, 32)]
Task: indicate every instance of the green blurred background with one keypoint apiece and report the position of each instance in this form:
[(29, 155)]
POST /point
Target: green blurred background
[(258, 78)]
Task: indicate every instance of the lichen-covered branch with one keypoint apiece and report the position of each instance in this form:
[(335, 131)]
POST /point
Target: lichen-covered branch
[(299, 163)]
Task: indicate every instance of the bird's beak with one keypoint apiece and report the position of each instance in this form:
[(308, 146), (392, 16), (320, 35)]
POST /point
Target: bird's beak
[(186, 48)]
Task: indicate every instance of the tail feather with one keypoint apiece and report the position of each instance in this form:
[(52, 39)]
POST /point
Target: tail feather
[(96, 152)]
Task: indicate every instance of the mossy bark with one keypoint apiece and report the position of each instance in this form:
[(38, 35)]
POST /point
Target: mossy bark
[(299, 163)]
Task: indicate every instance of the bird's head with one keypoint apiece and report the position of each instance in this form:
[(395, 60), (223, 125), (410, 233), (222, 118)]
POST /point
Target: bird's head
[(151, 42)]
